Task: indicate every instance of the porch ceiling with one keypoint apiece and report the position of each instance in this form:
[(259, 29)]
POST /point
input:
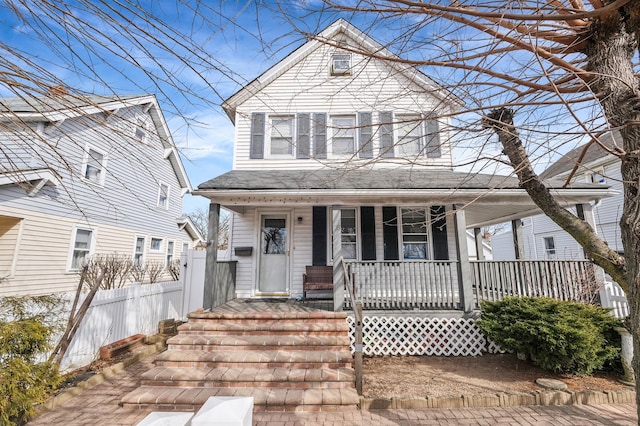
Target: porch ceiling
[(487, 199)]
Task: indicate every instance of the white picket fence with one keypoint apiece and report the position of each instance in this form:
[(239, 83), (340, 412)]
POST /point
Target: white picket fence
[(612, 296), (119, 313)]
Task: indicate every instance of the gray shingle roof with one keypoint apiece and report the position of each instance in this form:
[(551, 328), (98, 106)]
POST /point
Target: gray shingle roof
[(568, 161), (53, 103), (255, 180)]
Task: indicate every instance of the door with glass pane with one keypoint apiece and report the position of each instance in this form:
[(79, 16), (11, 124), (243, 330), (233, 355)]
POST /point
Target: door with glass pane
[(274, 255)]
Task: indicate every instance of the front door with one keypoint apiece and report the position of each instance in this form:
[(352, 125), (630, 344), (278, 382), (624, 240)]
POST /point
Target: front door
[(274, 256)]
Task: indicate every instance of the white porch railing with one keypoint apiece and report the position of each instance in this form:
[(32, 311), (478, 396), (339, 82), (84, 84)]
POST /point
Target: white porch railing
[(560, 279), (405, 285)]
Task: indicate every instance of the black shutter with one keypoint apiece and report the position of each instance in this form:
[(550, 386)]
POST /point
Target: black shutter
[(386, 134), (364, 135), (304, 136), (319, 239), (368, 228), (439, 233), (256, 149), (320, 135), (390, 233), (432, 148)]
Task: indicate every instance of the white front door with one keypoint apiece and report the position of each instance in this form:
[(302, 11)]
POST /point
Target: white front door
[(274, 255)]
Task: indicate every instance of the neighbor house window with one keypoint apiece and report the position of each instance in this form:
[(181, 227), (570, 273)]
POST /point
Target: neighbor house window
[(409, 135), (281, 135), (138, 251), (94, 166), (415, 234), (141, 130), (343, 141), (156, 245), (163, 196), (597, 176), (185, 247), (550, 247), (340, 64), (81, 250), (169, 258), (349, 233)]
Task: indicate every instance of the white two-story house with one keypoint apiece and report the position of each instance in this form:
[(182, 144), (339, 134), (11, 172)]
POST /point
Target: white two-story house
[(342, 152), (81, 176)]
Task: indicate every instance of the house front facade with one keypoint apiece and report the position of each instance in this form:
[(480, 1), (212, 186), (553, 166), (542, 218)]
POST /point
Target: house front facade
[(343, 157), (83, 176)]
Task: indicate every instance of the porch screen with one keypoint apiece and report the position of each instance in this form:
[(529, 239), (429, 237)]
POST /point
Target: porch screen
[(390, 233), (319, 238)]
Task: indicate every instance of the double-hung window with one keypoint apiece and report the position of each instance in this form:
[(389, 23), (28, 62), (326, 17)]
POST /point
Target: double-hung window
[(343, 141), (169, 258), (415, 235), (282, 130), (409, 135), (349, 234), (138, 251), (93, 169), (81, 249), (163, 196), (549, 247)]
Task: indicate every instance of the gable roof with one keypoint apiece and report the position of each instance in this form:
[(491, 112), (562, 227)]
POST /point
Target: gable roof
[(59, 107), (594, 153), (332, 32)]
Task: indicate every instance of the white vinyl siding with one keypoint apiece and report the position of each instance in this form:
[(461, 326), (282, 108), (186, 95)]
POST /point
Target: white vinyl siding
[(308, 87)]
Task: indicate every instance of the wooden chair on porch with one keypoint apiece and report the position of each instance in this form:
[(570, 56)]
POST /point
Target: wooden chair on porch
[(317, 278)]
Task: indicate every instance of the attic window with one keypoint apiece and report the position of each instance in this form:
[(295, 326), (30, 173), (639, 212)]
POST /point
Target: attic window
[(597, 176), (141, 131), (341, 64)]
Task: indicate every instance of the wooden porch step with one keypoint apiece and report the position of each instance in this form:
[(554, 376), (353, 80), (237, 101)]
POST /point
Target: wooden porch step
[(269, 358), (269, 326), (278, 315), (316, 378), (172, 398)]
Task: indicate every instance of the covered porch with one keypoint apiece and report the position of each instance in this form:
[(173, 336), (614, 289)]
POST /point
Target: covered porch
[(361, 224)]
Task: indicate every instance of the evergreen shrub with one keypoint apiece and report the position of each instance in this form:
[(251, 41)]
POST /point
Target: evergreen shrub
[(556, 335)]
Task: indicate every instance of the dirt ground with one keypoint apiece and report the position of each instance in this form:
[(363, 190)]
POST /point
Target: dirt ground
[(421, 376)]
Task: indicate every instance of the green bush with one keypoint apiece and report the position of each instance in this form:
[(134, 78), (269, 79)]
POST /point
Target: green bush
[(557, 335), (26, 327)]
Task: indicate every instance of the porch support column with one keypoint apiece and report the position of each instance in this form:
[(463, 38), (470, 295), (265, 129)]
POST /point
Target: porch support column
[(464, 267), (518, 238), (211, 296), (477, 233), (338, 268)]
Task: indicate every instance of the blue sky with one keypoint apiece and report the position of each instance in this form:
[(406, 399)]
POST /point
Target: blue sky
[(203, 56)]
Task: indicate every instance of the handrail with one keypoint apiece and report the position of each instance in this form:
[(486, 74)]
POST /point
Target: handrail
[(357, 313)]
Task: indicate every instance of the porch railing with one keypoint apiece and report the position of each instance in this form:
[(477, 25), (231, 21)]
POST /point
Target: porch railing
[(560, 279), (405, 285)]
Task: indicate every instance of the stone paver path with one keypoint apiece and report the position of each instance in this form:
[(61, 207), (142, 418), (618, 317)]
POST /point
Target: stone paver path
[(99, 405)]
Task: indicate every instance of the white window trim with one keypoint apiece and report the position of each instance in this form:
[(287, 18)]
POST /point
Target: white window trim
[(166, 252), (85, 163), (142, 124), (144, 248), (402, 119), (269, 130), (72, 245), (151, 249), (330, 236), (430, 248), (166, 206), (331, 129), (547, 254), (597, 170)]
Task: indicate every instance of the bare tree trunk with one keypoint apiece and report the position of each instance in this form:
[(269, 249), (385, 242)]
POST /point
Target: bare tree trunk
[(610, 51)]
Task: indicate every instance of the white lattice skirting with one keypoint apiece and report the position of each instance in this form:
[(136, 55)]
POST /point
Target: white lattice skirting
[(401, 335)]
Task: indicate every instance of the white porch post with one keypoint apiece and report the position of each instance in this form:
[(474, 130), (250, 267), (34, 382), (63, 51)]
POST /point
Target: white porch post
[(477, 234), (338, 268), (211, 293), (518, 238), (464, 267)]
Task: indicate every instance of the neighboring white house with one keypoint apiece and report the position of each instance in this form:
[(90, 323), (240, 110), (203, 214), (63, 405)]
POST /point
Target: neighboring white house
[(81, 176), (543, 238), (336, 148)]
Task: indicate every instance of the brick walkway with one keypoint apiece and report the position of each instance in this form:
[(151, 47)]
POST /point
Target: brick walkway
[(99, 405)]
